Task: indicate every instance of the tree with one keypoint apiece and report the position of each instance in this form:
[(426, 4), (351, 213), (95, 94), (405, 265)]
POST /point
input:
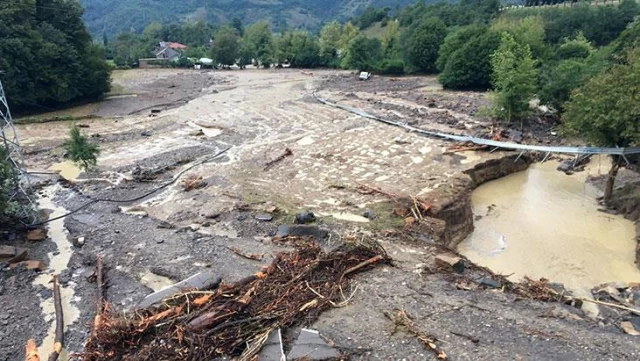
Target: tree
[(80, 150), (236, 23), (8, 179), (391, 46), (47, 56), (605, 111), (528, 31), (424, 42), (330, 43), (225, 46), (578, 47), (455, 40), (246, 52), (261, 38), (303, 50), (514, 76), (469, 66), (349, 32), (362, 53)]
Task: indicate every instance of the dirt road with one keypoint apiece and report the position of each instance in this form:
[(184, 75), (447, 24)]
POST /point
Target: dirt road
[(257, 116)]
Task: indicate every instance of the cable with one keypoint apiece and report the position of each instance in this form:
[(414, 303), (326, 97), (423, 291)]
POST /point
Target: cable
[(96, 200)]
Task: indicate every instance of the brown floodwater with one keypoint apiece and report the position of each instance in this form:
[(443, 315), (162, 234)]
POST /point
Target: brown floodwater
[(543, 223)]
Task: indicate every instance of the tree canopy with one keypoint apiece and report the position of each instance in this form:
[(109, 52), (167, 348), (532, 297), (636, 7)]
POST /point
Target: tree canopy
[(47, 56)]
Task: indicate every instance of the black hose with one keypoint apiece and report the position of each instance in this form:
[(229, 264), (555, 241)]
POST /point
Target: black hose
[(96, 200)]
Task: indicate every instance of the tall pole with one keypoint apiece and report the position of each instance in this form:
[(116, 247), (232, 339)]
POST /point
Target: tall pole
[(20, 185)]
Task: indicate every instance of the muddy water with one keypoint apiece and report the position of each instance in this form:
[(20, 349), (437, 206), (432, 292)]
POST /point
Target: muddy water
[(67, 169), (543, 223), (57, 263)]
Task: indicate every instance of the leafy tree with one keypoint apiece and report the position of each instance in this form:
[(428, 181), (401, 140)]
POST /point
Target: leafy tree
[(261, 38), (579, 47), (246, 52), (304, 50), (349, 32), (371, 15), (605, 111), (514, 76), (236, 23), (81, 151), (225, 46), (393, 66), (469, 67), (47, 56), (362, 53), (196, 52), (558, 80), (424, 42), (456, 40), (391, 45), (528, 31), (629, 39), (330, 43)]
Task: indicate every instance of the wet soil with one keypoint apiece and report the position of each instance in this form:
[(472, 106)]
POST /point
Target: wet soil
[(175, 233)]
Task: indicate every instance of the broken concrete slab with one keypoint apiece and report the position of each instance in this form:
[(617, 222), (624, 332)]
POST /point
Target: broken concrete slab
[(39, 234), (311, 346), (447, 261), (199, 281), (7, 251), (272, 349)]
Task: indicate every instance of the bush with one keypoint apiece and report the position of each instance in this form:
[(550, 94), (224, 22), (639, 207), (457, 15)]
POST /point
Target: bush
[(575, 48), (80, 150), (424, 43), (391, 67), (8, 179)]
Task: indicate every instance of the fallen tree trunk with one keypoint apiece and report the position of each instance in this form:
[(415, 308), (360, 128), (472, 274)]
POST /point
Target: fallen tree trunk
[(59, 337), (31, 351)]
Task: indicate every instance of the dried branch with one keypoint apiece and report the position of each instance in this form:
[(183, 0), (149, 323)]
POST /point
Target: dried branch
[(59, 337)]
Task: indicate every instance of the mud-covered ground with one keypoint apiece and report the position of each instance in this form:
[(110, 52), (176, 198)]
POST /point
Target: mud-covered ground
[(254, 116)]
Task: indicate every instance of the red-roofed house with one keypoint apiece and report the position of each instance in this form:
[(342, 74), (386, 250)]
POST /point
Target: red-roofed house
[(169, 50)]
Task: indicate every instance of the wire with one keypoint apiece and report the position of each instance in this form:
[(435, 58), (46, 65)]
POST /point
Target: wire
[(96, 200)]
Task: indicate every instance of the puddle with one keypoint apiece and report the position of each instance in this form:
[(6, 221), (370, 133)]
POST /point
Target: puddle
[(67, 169), (543, 223), (57, 264)]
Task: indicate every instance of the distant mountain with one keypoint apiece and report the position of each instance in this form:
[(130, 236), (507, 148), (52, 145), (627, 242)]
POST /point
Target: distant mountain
[(115, 16)]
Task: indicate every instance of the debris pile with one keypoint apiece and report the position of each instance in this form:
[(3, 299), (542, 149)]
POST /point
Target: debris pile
[(235, 319)]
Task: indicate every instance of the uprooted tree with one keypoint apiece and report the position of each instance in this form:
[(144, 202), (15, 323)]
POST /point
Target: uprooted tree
[(605, 111)]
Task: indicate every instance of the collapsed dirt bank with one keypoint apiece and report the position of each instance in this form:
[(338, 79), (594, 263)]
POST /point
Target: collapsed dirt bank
[(175, 233)]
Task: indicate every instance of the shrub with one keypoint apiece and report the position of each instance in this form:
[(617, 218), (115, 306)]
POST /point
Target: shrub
[(81, 151)]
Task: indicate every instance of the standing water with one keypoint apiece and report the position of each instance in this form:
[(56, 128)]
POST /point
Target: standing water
[(58, 262), (543, 223)]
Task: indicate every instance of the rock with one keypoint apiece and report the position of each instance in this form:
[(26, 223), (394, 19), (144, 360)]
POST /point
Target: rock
[(305, 217), (145, 133), (265, 217), (39, 234), (199, 281), (197, 133), (628, 328), (369, 214), (561, 313), (450, 262), (241, 217), (78, 242), (160, 241), (272, 349), (31, 265), (301, 231), (212, 215), (165, 225), (7, 251), (490, 282), (310, 346)]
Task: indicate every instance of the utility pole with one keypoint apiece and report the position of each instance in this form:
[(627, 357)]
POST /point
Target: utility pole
[(20, 184)]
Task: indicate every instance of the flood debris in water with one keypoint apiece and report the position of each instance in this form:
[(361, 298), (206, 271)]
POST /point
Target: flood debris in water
[(237, 318)]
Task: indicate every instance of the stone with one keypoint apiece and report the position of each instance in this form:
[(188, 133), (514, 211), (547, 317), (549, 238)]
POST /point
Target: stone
[(199, 281), (39, 234), (490, 282), (32, 265), (7, 251), (369, 214), (305, 217), (311, 346), (628, 328), (78, 242), (272, 349), (265, 217), (450, 262), (145, 133)]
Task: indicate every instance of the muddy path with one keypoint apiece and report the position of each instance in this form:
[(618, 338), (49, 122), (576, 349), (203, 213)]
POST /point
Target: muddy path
[(257, 115)]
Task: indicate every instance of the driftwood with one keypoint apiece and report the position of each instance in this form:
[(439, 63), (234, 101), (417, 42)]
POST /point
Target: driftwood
[(97, 320), (400, 318), (31, 351), (59, 337), (251, 256), (632, 310)]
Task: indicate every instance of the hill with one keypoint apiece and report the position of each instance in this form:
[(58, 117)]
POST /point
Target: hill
[(115, 16)]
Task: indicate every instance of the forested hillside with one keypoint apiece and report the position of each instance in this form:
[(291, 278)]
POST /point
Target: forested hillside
[(115, 16)]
